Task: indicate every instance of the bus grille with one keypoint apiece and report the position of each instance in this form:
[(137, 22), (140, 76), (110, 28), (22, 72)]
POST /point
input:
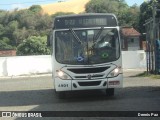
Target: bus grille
[(91, 77), (92, 83), (88, 70)]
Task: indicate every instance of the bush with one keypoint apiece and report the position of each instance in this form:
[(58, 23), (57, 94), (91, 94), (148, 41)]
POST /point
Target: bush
[(33, 46)]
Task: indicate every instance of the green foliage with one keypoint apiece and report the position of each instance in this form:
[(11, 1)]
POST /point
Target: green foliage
[(102, 6), (35, 8), (61, 13), (132, 16), (145, 74), (2, 16), (33, 46), (4, 44), (17, 26), (146, 9), (1, 29), (20, 24), (127, 16)]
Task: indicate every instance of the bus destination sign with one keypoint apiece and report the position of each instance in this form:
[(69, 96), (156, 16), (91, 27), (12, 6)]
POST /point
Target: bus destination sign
[(84, 21)]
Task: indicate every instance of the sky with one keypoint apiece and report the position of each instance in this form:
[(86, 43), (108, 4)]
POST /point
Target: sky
[(12, 4)]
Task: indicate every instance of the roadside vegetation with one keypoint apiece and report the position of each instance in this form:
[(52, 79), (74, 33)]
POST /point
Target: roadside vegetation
[(29, 27), (145, 74)]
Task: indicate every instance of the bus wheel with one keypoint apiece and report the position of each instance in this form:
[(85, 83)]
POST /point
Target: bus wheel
[(110, 92), (61, 95)]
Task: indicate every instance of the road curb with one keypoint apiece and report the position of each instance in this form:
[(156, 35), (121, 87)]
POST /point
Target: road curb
[(24, 76)]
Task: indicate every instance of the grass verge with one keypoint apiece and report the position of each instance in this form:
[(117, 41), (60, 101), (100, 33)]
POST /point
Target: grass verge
[(144, 74)]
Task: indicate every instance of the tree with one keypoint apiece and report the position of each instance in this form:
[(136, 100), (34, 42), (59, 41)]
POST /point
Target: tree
[(61, 13), (4, 44), (127, 16), (1, 29), (146, 9), (33, 46), (2, 16), (132, 16), (44, 24), (36, 8), (102, 6), (17, 26)]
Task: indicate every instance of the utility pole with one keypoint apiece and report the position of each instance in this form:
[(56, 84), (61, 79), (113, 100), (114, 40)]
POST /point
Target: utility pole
[(155, 36), (154, 41)]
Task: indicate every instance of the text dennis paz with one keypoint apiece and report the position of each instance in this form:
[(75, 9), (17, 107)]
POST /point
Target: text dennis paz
[(148, 114)]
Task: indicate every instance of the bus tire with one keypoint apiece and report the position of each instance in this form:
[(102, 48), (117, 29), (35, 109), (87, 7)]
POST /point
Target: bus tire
[(61, 95), (110, 92)]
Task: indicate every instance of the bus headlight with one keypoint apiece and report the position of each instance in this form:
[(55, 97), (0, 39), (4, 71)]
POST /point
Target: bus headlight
[(115, 72), (62, 75)]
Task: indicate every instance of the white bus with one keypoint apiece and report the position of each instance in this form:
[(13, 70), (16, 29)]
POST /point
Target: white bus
[(86, 53)]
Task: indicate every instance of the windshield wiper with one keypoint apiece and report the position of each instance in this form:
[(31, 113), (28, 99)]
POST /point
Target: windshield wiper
[(75, 35), (97, 36)]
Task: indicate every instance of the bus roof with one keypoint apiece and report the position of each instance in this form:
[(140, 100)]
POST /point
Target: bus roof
[(85, 14), (85, 20)]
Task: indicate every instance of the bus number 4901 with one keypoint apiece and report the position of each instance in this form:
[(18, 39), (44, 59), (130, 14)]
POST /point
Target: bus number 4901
[(63, 85)]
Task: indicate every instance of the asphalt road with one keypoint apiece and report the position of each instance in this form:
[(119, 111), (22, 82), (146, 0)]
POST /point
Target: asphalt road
[(36, 93)]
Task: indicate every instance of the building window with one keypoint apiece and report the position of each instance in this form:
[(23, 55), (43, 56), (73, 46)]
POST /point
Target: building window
[(132, 40)]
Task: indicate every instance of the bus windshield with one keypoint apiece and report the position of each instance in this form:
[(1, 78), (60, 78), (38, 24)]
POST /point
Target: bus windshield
[(87, 46)]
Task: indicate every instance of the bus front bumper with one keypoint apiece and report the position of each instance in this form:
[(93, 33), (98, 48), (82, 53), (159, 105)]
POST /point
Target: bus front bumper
[(73, 85)]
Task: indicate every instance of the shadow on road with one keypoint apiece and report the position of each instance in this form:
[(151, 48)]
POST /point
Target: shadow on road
[(38, 97), (41, 97), (126, 99)]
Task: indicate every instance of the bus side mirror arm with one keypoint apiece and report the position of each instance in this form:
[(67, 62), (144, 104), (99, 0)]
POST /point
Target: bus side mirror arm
[(49, 40)]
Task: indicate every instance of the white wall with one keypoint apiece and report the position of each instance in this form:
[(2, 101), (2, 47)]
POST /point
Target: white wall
[(26, 65), (3, 66), (133, 59)]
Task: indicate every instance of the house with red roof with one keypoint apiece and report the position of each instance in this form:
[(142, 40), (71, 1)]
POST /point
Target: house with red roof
[(130, 39)]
